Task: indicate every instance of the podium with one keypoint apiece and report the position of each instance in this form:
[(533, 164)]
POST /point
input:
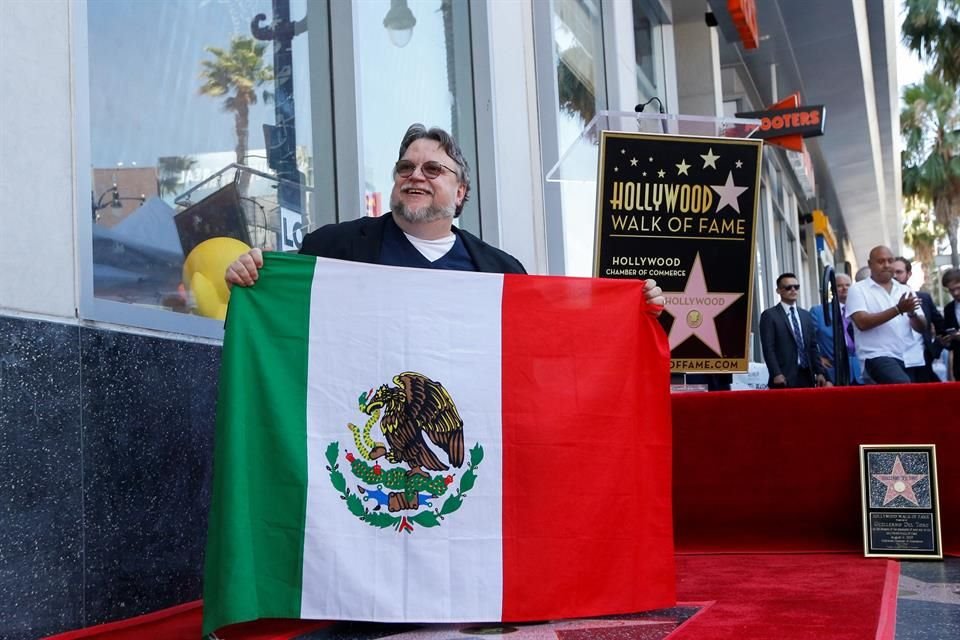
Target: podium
[(675, 200), (579, 162)]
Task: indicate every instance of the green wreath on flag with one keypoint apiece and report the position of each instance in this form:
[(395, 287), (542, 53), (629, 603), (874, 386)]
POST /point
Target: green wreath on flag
[(410, 487)]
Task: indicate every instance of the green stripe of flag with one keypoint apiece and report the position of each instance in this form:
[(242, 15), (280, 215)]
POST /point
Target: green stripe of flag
[(254, 560)]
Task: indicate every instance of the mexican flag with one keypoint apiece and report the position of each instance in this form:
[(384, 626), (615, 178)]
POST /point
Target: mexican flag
[(407, 445)]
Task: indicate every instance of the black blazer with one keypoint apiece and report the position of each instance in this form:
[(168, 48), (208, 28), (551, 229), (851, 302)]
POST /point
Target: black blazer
[(780, 347), (931, 346), (361, 240), (950, 322)]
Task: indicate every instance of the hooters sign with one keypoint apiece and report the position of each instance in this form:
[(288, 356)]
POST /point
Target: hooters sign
[(786, 123)]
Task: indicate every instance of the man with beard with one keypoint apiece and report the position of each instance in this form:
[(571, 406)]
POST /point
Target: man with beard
[(431, 182)]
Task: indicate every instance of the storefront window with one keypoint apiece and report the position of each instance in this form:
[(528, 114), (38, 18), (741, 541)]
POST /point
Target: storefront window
[(180, 91), (648, 53), (591, 46), (578, 55), (415, 65)]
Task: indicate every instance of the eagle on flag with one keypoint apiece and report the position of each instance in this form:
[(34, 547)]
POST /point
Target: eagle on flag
[(416, 405)]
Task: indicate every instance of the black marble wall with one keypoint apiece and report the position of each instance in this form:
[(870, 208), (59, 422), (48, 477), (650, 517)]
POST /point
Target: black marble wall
[(106, 444)]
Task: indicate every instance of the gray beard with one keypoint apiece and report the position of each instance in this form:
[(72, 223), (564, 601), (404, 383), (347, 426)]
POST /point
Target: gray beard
[(423, 214)]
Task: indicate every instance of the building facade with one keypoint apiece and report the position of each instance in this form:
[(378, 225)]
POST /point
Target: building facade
[(121, 116)]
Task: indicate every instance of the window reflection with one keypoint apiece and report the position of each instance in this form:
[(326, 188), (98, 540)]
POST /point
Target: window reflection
[(195, 134), (582, 81), (647, 53), (578, 55), (420, 73)]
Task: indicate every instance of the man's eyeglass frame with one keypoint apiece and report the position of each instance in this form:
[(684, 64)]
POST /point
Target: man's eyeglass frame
[(431, 169)]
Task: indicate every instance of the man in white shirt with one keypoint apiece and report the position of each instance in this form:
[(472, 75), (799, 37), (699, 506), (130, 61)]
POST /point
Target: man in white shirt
[(883, 312)]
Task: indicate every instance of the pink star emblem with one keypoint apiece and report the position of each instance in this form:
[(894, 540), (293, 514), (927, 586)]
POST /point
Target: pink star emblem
[(899, 483), (695, 308)]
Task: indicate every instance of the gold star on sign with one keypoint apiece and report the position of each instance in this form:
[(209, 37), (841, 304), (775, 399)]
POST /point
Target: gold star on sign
[(633, 162), (739, 164), (709, 159), (661, 173), (682, 168)]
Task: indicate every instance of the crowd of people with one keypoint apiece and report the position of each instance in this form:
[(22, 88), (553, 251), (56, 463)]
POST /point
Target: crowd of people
[(892, 334)]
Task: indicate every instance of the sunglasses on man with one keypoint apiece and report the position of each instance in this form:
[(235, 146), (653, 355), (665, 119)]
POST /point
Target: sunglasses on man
[(430, 169), (791, 287)]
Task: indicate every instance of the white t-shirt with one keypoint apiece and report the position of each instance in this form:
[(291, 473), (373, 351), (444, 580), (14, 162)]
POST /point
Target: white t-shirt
[(890, 339), (432, 250)]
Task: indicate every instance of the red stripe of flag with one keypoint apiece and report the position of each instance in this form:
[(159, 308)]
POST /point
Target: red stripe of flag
[(587, 520)]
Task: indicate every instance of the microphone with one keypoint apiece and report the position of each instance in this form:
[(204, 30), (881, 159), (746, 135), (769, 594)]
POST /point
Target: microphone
[(640, 107)]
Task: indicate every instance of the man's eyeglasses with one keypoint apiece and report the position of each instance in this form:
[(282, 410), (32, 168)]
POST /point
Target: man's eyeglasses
[(791, 287), (430, 169)]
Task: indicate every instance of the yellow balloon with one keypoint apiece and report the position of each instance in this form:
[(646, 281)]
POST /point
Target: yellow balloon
[(203, 272)]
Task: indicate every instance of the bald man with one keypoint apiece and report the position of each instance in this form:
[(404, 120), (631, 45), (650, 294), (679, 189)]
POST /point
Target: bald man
[(883, 312)]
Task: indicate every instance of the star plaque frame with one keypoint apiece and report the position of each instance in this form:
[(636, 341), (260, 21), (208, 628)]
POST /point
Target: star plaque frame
[(901, 511), (682, 210)]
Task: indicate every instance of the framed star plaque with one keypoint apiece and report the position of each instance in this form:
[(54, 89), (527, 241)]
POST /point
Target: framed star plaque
[(901, 513), (682, 210)]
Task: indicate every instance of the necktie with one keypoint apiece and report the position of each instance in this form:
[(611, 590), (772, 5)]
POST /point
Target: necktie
[(798, 336), (847, 328)]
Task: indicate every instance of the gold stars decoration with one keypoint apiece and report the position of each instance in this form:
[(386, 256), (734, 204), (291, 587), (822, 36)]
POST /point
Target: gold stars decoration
[(709, 159)]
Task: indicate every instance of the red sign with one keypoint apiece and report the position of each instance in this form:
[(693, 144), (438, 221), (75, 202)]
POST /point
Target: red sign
[(786, 123), (744, 14)]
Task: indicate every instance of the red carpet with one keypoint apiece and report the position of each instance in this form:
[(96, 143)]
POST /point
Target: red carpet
[(183, 623), (779, 470), (787, 597), (751, 597)]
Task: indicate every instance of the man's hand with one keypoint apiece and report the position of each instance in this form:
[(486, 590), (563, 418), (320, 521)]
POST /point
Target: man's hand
[(779, 380), (908, 303), (245, 270), (654, 297), (826, 362), (822, 381)]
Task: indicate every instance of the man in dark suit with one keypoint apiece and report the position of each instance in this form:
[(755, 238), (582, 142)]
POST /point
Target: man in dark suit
[(950, 336), (789, 341), (924, 348)]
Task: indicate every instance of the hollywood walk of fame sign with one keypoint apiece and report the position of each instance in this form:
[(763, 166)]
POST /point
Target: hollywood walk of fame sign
[(901, 515), (682, 210)]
